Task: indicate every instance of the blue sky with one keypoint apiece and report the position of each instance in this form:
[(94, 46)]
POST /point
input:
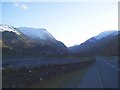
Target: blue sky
[(70, 22)]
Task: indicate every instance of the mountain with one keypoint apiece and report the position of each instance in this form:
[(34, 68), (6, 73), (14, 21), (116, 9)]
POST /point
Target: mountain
[(9, 28), (38, 41), (41, 35), (13, 38), (37, 34), (106, 43), (106, 33), (15, 42)]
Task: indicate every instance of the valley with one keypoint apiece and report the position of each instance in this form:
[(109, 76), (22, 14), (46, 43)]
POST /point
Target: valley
[(32, 57)]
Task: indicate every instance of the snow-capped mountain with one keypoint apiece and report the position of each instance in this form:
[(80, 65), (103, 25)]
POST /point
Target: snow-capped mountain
[(37, 33), (102, 35), (105, 34), (43, 36), (4, 27), (33, 41), (104, 43), (12, 38)]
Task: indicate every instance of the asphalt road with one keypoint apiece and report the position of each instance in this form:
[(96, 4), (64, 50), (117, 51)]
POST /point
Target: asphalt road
[(103, 74)]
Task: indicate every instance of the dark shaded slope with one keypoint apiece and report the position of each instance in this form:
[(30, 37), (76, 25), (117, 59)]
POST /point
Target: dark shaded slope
[(106, 46)]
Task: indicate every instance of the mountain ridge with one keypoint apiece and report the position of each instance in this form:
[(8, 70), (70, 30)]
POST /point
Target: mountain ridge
[(99, 46), (21, 43)]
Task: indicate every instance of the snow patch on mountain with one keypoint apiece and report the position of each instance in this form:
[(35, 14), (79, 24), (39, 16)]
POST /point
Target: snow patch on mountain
[(36, 33), (105, 34), (9, 28)]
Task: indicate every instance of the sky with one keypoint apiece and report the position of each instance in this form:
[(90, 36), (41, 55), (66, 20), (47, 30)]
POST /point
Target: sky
[(69, 22)]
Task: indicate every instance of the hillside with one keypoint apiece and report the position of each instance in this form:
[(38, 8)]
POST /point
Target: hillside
[(16, 42), (98, 45)]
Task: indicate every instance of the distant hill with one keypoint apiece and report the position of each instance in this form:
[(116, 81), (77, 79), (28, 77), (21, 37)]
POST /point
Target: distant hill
[(106, 43)]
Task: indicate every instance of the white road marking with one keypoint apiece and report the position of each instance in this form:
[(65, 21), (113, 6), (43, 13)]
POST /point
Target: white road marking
[(100, 79), (111, 65), (99, 75)]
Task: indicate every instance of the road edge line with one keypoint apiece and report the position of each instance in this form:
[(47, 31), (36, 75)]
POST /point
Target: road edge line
[(99, 75)]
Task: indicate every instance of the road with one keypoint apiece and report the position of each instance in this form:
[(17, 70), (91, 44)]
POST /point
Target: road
[(103, 74)]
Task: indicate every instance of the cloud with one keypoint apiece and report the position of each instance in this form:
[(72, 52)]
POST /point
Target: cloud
[(25, 7), (21, 5)]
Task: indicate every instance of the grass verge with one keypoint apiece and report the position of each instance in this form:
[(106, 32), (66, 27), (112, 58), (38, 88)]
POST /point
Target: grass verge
[(69, 80)]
